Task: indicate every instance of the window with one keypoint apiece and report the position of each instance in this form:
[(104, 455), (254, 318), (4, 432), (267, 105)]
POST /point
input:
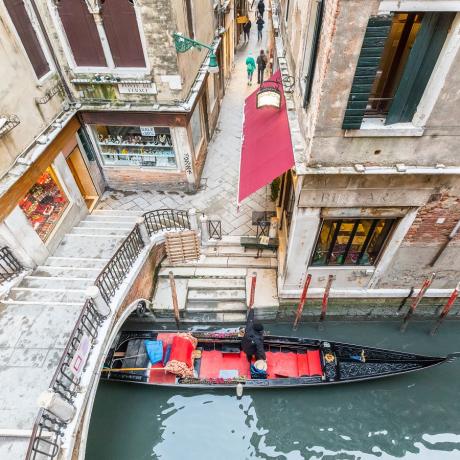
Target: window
[(398, 55), (351, 241), (143, 146), (27, 34), (195, 126)]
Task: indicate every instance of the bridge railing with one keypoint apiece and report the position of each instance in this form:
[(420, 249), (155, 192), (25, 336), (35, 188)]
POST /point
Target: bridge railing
[(9, 265)]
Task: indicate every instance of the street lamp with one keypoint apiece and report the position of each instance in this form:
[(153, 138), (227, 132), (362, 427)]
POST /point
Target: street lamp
[(269, 95), (183, 44)]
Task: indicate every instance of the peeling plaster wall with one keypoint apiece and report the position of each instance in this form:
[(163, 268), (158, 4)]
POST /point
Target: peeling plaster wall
[(19, 88)]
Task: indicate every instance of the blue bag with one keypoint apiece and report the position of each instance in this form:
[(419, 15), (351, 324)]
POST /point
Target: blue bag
[(154, 350)]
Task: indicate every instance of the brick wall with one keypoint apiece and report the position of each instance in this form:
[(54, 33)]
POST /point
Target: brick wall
[(425, 228)]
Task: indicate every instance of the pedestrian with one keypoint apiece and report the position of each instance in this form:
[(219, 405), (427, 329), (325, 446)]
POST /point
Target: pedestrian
[(261, 64), (247, 29), (250, 67), (260, 25), (252, 342), (261, 7)]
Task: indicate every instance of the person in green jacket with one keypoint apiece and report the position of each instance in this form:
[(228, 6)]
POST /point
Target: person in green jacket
[(250, 67)]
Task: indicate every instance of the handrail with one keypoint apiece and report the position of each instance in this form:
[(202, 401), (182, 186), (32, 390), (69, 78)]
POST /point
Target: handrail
[(9, 265), (109, 280)]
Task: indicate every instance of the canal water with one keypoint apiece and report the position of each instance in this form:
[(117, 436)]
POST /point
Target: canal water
[(416, 416)]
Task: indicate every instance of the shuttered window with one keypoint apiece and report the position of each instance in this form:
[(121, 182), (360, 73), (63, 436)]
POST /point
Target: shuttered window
[(82, 34), (374, 41), (28, 36), (122, 32)]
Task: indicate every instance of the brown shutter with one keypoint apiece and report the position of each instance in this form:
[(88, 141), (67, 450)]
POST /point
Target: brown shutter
[(122, 32), (81, 32), (26, 32)]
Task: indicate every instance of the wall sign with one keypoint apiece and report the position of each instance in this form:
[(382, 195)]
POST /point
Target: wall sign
[(137, 88), (81, 355), (147, 130)]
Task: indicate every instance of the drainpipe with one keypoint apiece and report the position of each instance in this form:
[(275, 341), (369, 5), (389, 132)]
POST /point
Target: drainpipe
[(451, 236)]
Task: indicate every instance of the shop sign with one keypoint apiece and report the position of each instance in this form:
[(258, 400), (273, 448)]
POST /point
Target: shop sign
[(147, 130), (81, 355), (137, 88), (242, 19)]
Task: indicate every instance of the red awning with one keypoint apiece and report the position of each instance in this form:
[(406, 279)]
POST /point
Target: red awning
[(266, 151)]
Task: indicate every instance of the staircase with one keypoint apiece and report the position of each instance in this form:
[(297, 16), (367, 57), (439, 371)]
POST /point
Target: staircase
[(216, 288)]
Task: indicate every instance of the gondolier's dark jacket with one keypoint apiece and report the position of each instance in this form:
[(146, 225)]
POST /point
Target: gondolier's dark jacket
[(253, 341)]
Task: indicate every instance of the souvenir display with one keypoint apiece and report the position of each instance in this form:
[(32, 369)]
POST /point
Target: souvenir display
[(44, 205)]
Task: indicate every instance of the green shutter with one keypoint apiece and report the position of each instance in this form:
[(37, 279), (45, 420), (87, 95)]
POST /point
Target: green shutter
[(374, 41), (420, 64)]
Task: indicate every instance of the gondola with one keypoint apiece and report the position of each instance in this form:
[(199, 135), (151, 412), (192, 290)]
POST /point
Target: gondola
[(215, 360)]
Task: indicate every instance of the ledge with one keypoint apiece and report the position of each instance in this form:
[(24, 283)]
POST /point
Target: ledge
[(375, 127)]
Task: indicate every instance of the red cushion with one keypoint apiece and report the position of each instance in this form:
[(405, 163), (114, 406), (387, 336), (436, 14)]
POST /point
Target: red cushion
[(302, 363), (181, 350), (314, 363)]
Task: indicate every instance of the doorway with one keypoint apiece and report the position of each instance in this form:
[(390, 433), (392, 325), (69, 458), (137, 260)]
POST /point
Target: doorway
[(82, 177)]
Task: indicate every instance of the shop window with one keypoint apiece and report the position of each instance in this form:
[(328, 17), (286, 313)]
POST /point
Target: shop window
[(397, 58), (27, 34), (351, 241), (196, 127), (44, 204), (81, 32), (120, 25), (142, 146)]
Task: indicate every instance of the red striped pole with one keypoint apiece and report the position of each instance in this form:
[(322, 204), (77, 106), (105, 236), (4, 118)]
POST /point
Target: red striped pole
[(302, 301), (446, 309), (416, 301), (325, 299), (253, 289)]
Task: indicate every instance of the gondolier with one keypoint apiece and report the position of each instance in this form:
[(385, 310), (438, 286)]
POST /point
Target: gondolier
[(253, 341)]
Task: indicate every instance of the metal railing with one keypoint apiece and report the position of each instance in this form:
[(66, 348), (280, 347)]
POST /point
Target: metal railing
[(166, 219), (9, 265), (215, 229), (113, 274)]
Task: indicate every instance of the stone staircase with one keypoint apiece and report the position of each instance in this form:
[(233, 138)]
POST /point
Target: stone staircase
[(216, 288)]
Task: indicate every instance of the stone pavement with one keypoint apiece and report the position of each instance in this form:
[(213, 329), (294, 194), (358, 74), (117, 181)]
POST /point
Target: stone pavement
[(217, 197)]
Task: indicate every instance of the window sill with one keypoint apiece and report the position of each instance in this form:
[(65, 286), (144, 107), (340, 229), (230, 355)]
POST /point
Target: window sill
[(375, 127)]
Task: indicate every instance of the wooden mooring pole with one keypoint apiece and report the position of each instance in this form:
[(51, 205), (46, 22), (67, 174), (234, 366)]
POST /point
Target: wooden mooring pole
[(253, 289), (404, 301), (302, 302), (325, 301), (446, 309), (426, 284), (172, 283)]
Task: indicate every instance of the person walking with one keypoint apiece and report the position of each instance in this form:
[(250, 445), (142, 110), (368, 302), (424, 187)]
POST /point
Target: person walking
[(261, 7), (261, 64), (250, 67), (247, 29), (260, 25)]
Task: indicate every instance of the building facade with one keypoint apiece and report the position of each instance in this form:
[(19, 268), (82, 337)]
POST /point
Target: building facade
[(374, 197)]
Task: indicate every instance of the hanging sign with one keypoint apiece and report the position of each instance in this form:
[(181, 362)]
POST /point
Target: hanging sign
[(242, 19), (81, 355), (137, 88), (147, 130)]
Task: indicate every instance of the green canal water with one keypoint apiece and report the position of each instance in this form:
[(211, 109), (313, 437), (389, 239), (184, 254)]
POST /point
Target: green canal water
[(409, 417)]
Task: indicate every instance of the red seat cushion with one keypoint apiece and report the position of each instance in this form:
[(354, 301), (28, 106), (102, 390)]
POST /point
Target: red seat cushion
[(181, 350), (314, 362), (302, 364), (281, 364)]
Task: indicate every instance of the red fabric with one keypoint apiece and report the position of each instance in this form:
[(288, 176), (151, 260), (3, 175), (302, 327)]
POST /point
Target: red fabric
[(302, 364), (266, 151), (161, 376), (314, 363), (212, 362), (181, 350), (281, 365)]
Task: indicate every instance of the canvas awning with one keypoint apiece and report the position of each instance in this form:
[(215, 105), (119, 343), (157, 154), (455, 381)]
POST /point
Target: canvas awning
[(266, 150)]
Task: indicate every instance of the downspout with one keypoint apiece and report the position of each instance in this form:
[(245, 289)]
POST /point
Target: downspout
[(451, 236)]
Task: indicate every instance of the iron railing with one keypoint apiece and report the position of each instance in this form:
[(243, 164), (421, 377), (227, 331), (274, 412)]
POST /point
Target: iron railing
[(215, 229), (9, 265), (166, 219), (113, 274)]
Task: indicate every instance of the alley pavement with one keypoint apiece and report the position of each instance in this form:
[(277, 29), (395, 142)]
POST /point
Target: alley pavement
[(217, 195)]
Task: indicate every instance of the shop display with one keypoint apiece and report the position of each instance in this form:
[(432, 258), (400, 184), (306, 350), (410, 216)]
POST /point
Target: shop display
[(44, 204), (136, 146)]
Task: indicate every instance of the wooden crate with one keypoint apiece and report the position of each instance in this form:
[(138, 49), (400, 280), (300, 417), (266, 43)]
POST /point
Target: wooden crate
[(182, 246)]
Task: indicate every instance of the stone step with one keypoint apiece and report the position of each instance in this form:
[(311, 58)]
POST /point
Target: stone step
[(88, 247), (215, 317), (217, 283), (120, 226), (221, 306), (51, 282), (234, 251), (116, 212), (100, 231), (228, 262), (47, 295), (69, 272), (215, 295), (76, 262), (202, 272), (130, 219)]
